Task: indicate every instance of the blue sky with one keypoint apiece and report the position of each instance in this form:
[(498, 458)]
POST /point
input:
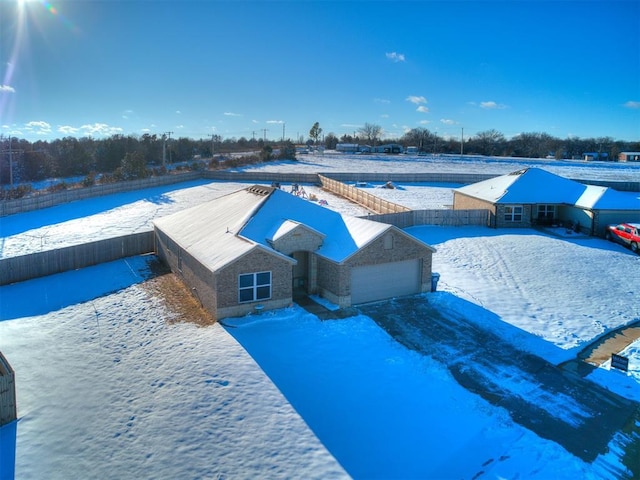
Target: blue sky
[(236, 68)]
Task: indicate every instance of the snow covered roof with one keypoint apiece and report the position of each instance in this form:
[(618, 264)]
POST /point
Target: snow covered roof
[(344, 235), (531, 185), (209, 231), (614, 200), (534, 185), (224, 229), (288, 226)]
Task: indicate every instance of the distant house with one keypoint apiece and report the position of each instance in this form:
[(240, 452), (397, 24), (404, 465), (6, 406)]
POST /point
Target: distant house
[(629, 157), (536, 197), (254, 248)]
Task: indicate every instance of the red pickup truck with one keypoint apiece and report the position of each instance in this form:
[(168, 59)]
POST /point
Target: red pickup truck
[(625, 233)]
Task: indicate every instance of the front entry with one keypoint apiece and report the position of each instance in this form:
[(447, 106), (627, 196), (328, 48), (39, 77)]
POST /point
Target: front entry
[(301, 272)]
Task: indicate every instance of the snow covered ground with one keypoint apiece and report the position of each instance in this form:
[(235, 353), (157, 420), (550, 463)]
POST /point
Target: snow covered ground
[(337, 162), (109, 387)]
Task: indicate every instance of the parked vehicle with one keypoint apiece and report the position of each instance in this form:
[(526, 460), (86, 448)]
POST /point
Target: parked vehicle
[(625, 233)]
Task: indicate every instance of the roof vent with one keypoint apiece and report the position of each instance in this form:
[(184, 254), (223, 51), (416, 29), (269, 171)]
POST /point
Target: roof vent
[(260, 190), (519, 172)]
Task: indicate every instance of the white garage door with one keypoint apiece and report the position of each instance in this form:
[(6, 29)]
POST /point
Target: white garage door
[(377, 282)]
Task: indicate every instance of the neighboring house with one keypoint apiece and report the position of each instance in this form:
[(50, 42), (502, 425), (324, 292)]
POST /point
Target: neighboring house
[(253, 248), (536, 197), (629, 156)]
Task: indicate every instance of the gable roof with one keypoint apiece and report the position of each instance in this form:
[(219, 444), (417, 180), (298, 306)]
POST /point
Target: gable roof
[(531, 185), (614, 200), (209, 231), (344, 235), (534, 185), (219, 231)]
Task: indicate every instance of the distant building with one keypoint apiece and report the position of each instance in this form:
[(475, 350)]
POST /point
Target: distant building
[(629, 157), (353, 148), (389, 148), (595, 156)]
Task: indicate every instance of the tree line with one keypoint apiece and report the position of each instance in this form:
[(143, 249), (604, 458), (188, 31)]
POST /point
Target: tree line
[(122, 157), (491, 143)]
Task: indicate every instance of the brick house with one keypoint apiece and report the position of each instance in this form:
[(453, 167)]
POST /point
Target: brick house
[(533, 196), (255, 247)]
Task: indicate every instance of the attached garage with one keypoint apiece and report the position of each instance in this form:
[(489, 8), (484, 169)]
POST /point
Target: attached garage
[(386, 280)]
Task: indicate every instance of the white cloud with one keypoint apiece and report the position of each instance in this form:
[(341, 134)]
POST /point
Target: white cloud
[(448, 121), (416, 99), (381, 100), (491, 105), (38, 127), (632, 104), (7, 89), (424, 122), (231, 114), (384, 115), (179, 127), (178, 112), (67, 130), (275, 121), (100, 129), (395, 57), (422, 109)]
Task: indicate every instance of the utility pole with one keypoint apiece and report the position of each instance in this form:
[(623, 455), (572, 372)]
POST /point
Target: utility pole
[(462, 143), (283, 124), (212, 144), (10, 165), (264, 134), (164, 148), (10, 151)]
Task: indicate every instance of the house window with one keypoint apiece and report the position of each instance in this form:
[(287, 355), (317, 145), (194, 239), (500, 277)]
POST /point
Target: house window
[(546, 214), (254, 286), (513, 213)]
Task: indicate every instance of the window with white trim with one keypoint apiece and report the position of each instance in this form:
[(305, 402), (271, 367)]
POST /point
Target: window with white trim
[(513, 213), (254, 286), (546, 211)]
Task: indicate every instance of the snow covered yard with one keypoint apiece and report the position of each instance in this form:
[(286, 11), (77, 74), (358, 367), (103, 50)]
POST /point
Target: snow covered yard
[(109, 387)]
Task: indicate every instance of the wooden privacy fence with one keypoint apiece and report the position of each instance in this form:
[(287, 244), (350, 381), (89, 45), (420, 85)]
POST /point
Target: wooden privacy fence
[(8, 407), (359, 196), (41, 264), (444, 218), (45, 200), (261, 177)]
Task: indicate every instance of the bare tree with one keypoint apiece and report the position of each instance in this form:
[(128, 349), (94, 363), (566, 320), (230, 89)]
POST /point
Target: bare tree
[(371, 132)]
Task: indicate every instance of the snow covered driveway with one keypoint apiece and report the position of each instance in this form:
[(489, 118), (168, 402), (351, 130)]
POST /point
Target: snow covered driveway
[(558, 405)]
